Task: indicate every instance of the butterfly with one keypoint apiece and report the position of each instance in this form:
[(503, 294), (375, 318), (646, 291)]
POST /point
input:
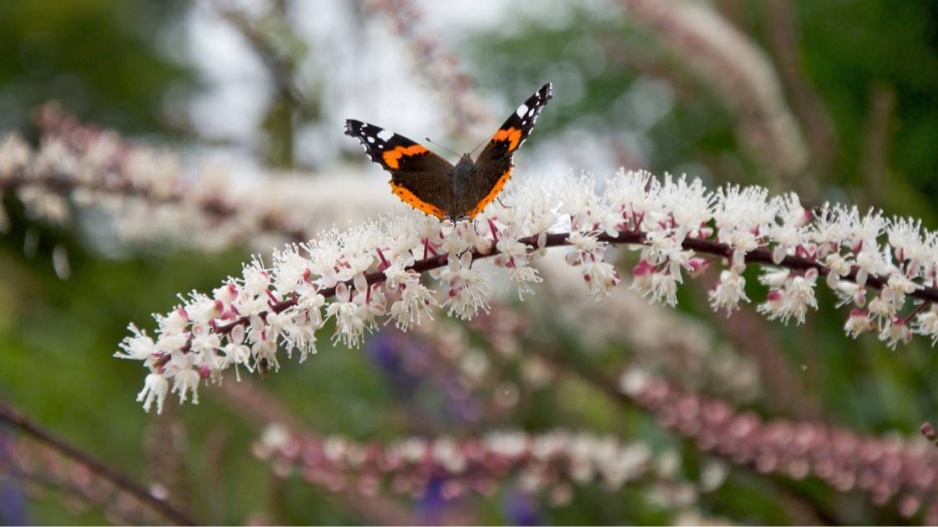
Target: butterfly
[(435, 186)]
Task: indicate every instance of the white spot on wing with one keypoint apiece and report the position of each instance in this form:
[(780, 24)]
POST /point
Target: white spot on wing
[(385, 135), (522, 110)]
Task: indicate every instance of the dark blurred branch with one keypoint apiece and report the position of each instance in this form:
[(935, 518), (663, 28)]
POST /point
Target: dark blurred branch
[(124, 483), (783, 39), (876, 151)]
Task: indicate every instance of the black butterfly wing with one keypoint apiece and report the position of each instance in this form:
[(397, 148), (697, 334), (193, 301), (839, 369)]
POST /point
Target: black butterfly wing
[(419, 177), (493, 166)]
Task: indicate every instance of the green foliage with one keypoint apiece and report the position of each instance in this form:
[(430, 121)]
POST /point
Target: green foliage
[(100, 59)]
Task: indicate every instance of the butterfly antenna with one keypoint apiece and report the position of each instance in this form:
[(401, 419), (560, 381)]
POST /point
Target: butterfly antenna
[(432, 142), (480, 144)]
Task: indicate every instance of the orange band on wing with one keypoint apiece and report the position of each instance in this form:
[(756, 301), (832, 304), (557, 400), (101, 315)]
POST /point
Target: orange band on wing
[(512, 135), (392, 158), (411, 199), (499, 185)]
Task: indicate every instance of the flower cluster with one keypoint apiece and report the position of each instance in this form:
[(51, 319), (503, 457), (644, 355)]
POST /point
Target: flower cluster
[(547, 463), (885, 468), (371, 274), (151, 195)]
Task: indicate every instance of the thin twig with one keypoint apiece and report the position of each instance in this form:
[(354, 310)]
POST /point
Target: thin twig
[(19, 421)]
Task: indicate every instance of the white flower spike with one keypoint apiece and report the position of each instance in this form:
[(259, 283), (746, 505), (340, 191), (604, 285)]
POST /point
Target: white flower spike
[(374, 274)]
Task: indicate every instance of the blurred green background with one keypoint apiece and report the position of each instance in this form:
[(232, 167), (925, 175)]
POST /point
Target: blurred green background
[(866, 99)]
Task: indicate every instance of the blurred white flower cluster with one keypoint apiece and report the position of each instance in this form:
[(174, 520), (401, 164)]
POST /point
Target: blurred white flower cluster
[(149, 194), (551, 463)]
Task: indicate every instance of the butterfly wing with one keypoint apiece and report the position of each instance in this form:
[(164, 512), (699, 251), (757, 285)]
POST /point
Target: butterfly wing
[(419, 177), (493, 167)]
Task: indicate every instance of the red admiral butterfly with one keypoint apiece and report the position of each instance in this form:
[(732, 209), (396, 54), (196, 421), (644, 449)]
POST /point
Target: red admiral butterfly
[(432, 184)]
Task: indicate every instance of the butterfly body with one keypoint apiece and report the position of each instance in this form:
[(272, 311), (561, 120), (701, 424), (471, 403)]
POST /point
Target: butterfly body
[(432, 184)]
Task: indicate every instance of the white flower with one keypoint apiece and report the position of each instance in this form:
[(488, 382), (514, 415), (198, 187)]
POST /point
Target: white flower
[(871, 260), (794, 300), (290, 270), (265, 355), (155, 388), (512, 253), (897, 288), (580, 203), (926, 323), (515, 257), (634, 381), (776, 278), (201, 309), (832, 227), (303, 321), (203, 340), (881, 309), (350, 317), (689, 205), (850, 293), (659, 282), (300, 334), (728, 292), (324, 256), (743, 216), (838, 267), (629, 198), (139, 346), (185, 381), (173, 330), (865, 231), (256, 279), (14, 155), (585, 248), (858, 323), (467, 288), (461, 237), (415, 301), (663, 246), (601, 277), (907, 244), (891, 298), (535, 209), (789, 234), (588, 253), (236, 351), (895, 332)]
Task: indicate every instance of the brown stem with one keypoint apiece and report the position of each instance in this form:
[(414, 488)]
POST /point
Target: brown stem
[(120, 480), (783, 40), (876, 153), (760, 256)]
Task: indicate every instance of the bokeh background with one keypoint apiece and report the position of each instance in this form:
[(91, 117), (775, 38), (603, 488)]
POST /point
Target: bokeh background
[(833, 99)]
